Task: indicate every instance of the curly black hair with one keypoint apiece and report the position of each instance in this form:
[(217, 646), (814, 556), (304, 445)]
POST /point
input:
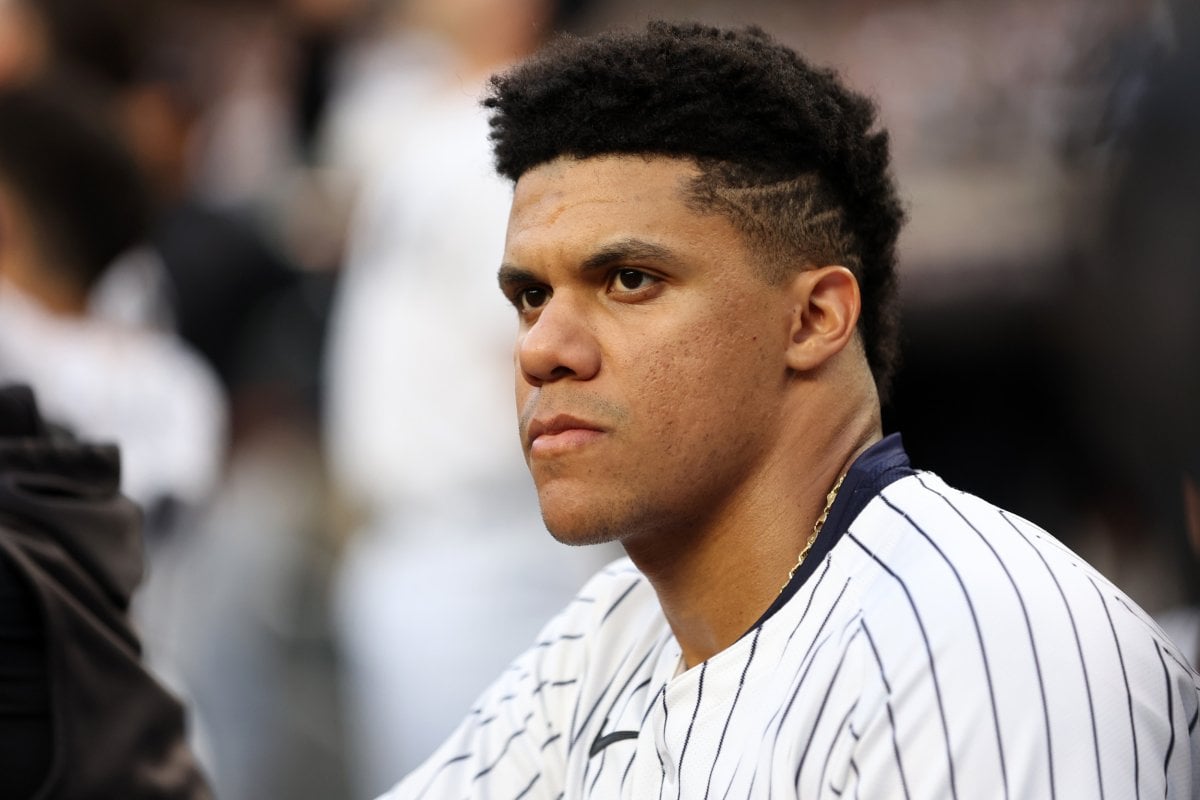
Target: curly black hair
[(785, 151)]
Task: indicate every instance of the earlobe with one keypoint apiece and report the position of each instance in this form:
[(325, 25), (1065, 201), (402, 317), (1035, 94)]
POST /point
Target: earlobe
[(826, 306)]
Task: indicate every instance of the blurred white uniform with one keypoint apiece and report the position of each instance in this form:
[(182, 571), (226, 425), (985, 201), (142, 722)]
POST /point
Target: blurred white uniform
[(455, 571), (143, 390)]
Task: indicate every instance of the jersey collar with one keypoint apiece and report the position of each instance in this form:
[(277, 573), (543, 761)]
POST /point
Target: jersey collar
[(879, 465)]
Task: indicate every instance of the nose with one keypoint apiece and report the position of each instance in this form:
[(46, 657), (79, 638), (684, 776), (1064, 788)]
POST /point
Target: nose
[(557, 346)]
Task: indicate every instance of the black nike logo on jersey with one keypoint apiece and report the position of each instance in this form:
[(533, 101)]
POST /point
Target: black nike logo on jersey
[(606, 739)]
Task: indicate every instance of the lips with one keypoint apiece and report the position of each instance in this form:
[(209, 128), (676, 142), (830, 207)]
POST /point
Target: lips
[(560, 433)]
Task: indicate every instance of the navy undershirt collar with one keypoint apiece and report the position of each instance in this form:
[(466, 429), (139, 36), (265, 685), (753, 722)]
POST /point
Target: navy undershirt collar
[(879, 465)]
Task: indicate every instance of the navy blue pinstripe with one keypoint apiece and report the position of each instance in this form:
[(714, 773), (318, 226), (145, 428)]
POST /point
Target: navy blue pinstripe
[(1028, 628), (1087, 683), (824, 702), (937, 690), (1170, 719), (1137, 788), (688, 738), (732, 707), (888, 704), (987, 669), (843, 725)]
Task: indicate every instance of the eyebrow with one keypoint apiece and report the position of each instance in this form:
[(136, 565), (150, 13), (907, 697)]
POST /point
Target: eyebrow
[(623, 250), (618, 252), (510, 275)]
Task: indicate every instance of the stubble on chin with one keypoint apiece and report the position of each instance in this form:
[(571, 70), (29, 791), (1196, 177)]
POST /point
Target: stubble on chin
[(574, 522), (598, 529)]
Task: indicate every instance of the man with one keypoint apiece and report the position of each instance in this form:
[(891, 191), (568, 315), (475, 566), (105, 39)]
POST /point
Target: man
[(701, 253)]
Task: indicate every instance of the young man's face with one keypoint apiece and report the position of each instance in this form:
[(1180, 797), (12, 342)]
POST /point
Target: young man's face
[(650, 350)]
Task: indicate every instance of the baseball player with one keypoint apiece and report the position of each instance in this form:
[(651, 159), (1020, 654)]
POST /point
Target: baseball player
[(701, 254)]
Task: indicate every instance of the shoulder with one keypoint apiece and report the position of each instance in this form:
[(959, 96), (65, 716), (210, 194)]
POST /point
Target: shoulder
[(930, 539), (978, 620), (955, 564)]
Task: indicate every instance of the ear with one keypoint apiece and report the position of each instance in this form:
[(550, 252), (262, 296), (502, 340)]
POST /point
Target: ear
[(825, 308)]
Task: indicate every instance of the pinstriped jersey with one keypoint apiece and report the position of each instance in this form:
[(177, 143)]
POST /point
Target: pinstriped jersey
[(933, 646)]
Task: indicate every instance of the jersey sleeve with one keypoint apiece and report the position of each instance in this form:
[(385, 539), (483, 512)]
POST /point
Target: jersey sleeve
[(513, 742)]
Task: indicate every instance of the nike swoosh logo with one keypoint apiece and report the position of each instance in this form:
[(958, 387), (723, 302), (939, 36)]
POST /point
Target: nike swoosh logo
[(610, 738)]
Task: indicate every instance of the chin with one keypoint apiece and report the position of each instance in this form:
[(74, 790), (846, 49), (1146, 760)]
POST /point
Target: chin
[(579, 535), (576, 524)]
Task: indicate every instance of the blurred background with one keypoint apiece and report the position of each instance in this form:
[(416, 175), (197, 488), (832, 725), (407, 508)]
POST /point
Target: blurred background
[(254, 242)]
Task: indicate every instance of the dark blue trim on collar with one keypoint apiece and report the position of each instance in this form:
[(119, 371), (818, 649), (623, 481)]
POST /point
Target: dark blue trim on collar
[(879, 465)]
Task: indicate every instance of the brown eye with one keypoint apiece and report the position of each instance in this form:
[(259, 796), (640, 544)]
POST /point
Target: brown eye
[(630, 280), (532, 297)]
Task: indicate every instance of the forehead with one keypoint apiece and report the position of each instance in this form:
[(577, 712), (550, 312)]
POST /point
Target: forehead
[(583, 203), (623, 176)]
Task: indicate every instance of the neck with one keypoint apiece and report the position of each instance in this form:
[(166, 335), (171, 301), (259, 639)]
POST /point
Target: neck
[(715, 582)]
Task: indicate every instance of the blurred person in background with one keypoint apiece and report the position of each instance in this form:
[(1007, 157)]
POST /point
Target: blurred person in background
[(183, 79), (71, 203), (209, 114), (232, 610), (1137, 318), (418, 425)]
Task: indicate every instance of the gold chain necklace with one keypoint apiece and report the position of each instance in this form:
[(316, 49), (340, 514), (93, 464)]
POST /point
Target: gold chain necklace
[(816, 531)]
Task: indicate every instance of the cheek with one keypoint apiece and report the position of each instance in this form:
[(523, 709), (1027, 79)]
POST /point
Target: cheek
[(702, 379)]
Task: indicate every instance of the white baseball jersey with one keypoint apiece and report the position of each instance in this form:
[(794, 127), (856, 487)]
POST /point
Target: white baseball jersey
[(932, 646)]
